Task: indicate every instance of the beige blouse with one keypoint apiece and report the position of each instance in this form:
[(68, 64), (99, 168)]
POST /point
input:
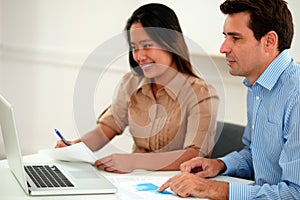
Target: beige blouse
[(181, 115)]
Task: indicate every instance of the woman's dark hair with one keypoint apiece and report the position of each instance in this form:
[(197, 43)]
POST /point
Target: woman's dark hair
[(265, 16), (162, 26)]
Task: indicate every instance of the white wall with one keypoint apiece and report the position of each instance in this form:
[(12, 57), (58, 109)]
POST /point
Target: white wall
[(201, 21), (43, 47), (294, 6), (46, 44), (1, 20)]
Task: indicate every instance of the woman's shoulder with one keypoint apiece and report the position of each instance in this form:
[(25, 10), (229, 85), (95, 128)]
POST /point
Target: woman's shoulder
[(198, 82), (200, 85), (130, 80)]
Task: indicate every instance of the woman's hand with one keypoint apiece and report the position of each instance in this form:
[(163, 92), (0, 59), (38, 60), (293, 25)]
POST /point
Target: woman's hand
[(61, 144), (117, 163)]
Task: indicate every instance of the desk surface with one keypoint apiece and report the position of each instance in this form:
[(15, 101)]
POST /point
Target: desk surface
[(10, 189)]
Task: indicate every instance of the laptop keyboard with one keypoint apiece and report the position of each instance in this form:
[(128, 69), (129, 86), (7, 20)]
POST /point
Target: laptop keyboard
[(47, 176)]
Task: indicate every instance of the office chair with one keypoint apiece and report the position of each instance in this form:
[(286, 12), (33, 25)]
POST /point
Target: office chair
[(229, 140)]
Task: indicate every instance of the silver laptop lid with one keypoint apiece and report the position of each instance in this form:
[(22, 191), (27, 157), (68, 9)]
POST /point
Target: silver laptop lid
[(11, 142)]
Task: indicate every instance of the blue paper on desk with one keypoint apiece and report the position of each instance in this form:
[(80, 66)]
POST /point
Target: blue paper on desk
[(150, 187)]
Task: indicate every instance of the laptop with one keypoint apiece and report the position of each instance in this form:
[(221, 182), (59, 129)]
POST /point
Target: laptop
[(55, 178)]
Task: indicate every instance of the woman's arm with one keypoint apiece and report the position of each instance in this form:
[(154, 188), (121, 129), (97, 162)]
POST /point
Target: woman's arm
[(165, 161), (124, 163), (98, 137), (95, 139)]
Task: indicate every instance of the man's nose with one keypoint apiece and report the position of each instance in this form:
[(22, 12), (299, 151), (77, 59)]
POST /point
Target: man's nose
[(225, 47)]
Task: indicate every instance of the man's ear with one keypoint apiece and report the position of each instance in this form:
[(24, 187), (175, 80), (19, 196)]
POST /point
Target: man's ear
[(271, 41)]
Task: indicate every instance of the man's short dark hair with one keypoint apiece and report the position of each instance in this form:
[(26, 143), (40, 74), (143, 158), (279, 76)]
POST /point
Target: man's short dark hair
[(265, 16)]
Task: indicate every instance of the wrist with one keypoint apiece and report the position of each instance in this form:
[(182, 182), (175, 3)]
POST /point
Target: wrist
[(222, 166), (77, 140), (137, 161), (220, 191)]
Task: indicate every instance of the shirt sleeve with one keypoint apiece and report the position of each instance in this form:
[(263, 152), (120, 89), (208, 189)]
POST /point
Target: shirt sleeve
[(239, 164), (289, 185), (201, 122), (116, 116), (288, 188), (282, 190)]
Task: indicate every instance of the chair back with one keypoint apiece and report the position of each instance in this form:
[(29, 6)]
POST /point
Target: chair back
[(230, 139)]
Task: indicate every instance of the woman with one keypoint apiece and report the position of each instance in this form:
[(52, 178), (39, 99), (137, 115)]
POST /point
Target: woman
[(170, 112)]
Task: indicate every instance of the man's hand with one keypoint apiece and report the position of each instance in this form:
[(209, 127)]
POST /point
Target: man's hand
[(187, 184), (203, 167)]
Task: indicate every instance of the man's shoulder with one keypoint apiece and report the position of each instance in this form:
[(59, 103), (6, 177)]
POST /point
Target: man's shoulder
[(293, 72), (290, 78)]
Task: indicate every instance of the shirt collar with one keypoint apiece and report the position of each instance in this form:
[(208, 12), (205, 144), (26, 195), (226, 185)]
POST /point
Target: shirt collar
[(271, 75), (145, 86), (174, 86)]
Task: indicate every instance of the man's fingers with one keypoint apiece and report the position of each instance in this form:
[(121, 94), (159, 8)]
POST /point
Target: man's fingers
[(203, 174), (163, 186)]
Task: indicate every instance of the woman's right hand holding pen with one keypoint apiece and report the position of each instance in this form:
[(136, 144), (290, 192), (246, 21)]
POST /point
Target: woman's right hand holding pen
[(63, 142)]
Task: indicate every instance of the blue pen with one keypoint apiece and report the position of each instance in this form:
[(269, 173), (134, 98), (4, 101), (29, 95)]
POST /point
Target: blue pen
[(61, 137)]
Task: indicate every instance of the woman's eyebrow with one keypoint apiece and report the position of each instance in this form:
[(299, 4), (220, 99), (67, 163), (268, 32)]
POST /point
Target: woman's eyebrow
[(142, 41)]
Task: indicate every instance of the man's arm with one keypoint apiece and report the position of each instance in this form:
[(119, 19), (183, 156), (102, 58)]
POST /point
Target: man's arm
[(289, 185)]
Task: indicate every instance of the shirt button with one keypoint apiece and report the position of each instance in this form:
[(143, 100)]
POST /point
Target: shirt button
[(252, 126), (257, 97)]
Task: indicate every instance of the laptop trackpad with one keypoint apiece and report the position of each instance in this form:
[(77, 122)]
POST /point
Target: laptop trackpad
[(84, 174)]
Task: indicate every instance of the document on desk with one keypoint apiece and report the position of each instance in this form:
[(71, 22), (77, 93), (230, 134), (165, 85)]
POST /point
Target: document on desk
[(139, 187), (144, 185), (79, 153)]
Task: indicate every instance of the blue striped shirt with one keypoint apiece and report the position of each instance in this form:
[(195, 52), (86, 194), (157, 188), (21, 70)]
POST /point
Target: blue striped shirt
[(271, 156)]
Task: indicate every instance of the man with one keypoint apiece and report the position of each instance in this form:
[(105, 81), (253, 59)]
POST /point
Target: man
[(257, 36)]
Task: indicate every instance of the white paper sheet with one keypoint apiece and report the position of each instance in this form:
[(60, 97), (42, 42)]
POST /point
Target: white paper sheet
[(79, 153)]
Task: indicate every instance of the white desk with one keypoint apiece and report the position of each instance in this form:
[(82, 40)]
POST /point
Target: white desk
[(11, 190)]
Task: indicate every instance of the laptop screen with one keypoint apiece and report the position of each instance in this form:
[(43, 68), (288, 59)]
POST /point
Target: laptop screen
[(11, 144)]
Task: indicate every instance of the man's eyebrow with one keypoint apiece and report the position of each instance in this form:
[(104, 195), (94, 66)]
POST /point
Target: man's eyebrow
[(232, 33)]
